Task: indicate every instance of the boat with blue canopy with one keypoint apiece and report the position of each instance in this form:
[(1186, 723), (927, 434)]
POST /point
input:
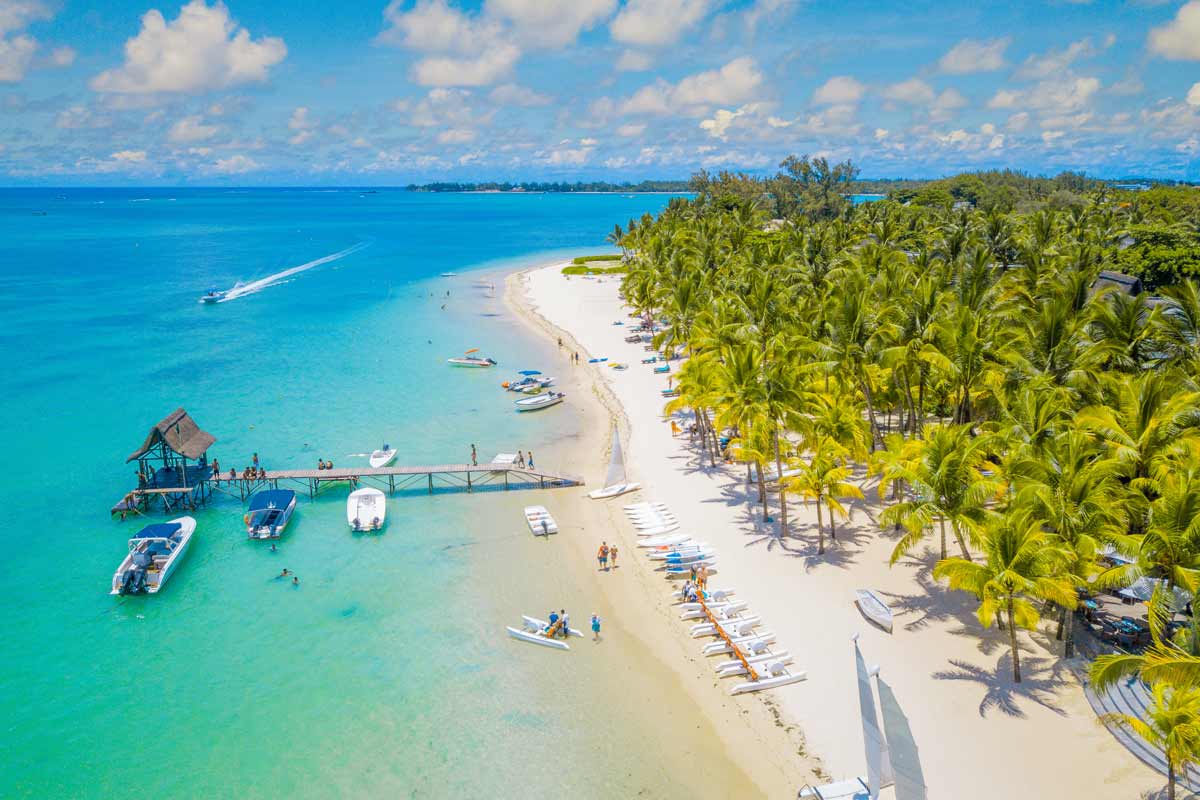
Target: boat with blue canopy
[(269, 513), (154, 552)]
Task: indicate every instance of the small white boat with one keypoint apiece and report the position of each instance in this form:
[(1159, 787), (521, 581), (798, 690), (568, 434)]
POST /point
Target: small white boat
[(536, 638), (633, 507), (772, 674), (539, 401), (539, 520), (384, 456), (154, 552), (685, 571), (741, 626), (366, 509), (697, 557), (270, 511), (874, 609), (683, 552), (213, 296), (683, 567), (741, 642), (716, 595), (727, 669), (653, 522), (616, 482), (469, 359), (696, 611), (655, 541), (449, 274)]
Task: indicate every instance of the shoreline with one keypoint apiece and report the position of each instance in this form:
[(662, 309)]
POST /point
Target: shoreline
[(951, 679), (750, 729)]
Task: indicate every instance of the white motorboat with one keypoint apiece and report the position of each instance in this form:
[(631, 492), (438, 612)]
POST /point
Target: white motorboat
[(469, 359), (770, 675), (154, 553), (539, 520), (383, 456), (616, 482), (685, 571), (366, 509), (874, 609), (270, 512), (653, 520), (540, 401), (529, 384), (212, 296)]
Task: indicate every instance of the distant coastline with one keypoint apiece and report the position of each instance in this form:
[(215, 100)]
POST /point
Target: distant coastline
[(537, 187)]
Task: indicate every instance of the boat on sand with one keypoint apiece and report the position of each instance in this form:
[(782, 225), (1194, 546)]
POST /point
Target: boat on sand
[(616, 482), (539, 401), (540, 522), (874, 608)]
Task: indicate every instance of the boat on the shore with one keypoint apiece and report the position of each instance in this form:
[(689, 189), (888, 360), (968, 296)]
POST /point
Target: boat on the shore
[(673, 538), (270, 511), (366, 509), (467, 359), (540, 522), (616, 482), (531, 382), (772, 674), (737, 626), (535, 631), (740, 642), (716, 596), (874, 608), (734, 666), (383, 456), (539, 401), (544, 625), (154, 553)]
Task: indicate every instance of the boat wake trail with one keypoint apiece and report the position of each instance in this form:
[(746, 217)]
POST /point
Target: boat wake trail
[(241, 290)]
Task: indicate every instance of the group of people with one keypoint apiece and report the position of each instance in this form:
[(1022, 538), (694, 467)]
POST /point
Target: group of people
[(560, 625), (699, 577), (607, 552), (523, 460), (253, 472), (323, 464), (288, 573)]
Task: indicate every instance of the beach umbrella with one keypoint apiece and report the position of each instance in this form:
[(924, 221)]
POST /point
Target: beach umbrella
[(529, 372)]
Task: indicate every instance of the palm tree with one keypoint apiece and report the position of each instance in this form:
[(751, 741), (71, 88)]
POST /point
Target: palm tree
[(1021, 563), (1171, 724), (1170, 547), (824, 478), (947, 483)]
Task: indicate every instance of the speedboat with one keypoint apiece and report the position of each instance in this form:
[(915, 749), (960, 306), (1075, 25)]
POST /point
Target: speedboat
[(540, 401), (384, 456), (270, 511), (530, 382), (539, 520), (366, 509), (213, 296), (469, 359), (154, 552)]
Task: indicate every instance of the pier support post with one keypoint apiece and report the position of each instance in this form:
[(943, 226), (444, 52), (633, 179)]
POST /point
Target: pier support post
[(431, 483), (468, 480)]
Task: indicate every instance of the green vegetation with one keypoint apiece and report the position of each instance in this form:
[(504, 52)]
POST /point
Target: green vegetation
[(595, 265), (590, 259), (960, 348)]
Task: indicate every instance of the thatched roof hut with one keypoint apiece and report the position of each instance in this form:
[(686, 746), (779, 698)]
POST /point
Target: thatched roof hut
[(179, 433)]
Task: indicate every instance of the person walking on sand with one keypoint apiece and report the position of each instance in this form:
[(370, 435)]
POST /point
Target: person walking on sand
[(474, 457), (612, 556), (602, 556), (674, 429), (595, 627)]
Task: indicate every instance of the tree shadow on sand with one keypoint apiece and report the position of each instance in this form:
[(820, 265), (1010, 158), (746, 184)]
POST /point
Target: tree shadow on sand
[(1042, 678)]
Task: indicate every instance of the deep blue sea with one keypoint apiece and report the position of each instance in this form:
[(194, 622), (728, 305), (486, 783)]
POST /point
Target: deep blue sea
[(386, 672)]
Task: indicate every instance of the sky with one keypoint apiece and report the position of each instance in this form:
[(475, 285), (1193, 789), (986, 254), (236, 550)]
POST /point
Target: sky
[(246, 92)]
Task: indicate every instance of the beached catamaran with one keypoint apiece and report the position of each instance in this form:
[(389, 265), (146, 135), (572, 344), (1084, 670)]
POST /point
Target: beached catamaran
[(616, 482)]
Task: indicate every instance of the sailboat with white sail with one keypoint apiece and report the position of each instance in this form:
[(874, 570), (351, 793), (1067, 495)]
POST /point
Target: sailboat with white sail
[(616, 482)]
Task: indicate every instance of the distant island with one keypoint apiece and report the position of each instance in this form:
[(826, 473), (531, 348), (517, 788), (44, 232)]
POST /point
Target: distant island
[(535, 186)]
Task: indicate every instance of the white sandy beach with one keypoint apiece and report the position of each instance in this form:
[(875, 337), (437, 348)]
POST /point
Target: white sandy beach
[(980, 735)]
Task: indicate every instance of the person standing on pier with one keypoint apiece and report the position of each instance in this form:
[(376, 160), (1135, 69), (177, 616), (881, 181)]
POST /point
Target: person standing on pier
[(474, 457), (254, 462), (529, 459)]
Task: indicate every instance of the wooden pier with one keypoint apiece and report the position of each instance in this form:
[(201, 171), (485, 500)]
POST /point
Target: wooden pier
[(424, 479)]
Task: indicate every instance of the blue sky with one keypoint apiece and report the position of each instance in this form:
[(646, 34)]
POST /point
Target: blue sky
[(252, 92)]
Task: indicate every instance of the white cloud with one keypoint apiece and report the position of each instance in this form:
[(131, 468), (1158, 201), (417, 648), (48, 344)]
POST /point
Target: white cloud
[(733, 84), (16, 15), (721, 121), (1049, 137), (653, 23), (16, 54), (631, 130), (456, 136), (129, 156), (511, 94), (913, 91), (566, 156), (1055, 62), (634, 61), (1054, 95), (1179, 39), (1018, 122), (946, 103), (973, 55), (433, 26), (191, 129), (302, 125), (79, 118), (881, 134), (839, 90), (1193, 95), (763, 10), (201, 49), (551, 23), (299, 138), (62, 56), (495, 63), (234, 165)]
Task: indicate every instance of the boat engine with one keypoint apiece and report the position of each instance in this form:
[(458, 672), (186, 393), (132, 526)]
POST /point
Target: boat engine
[(134, 580)]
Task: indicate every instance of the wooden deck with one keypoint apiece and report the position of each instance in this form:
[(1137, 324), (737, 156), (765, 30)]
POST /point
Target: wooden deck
[(424, 479)]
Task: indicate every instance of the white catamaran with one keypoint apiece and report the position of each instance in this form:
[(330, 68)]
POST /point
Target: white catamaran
[(616, 482)]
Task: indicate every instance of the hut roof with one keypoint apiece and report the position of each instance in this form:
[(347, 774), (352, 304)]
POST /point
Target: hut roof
[(1122, 282), (180, 433)]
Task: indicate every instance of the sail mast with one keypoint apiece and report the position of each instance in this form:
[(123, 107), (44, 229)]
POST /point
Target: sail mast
[(616, 464)]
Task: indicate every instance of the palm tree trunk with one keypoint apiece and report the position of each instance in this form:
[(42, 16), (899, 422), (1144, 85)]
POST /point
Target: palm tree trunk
[(783, 521), (1069, 636), (1170, 779), (876, 438), (962, 543), (919, 430), (942, 525), (762, 491), (820, 528), (1012, 638)]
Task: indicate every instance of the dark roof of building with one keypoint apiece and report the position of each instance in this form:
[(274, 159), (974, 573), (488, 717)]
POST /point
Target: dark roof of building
[(1127, 283), (180, 433)]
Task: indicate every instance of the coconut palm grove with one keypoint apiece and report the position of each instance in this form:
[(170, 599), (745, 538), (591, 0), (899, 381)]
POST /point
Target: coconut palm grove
[(1012, 363)]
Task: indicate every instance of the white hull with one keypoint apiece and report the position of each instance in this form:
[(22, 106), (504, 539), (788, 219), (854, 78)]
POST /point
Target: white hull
[(166, 569), (715, 596), (542, 624), (769, 683), (636, 507), (742, 642), (742, 626), (366, 510), (727, 669), (614, 491), (535, 638), (539, 401), (655, 541), (696, 611), (539, 520), (382, 458), (874, 609)]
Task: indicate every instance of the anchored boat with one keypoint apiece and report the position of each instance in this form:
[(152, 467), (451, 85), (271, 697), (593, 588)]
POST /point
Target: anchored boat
[(539, 401), (468, 359), (366, 509), (384, 456), (270, 511), (154, 552)]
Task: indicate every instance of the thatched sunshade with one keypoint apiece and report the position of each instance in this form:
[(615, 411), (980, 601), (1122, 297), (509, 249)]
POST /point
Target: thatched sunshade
[(180, 433)]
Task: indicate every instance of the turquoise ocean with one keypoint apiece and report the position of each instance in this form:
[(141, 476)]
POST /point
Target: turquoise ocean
[(385, 673)]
